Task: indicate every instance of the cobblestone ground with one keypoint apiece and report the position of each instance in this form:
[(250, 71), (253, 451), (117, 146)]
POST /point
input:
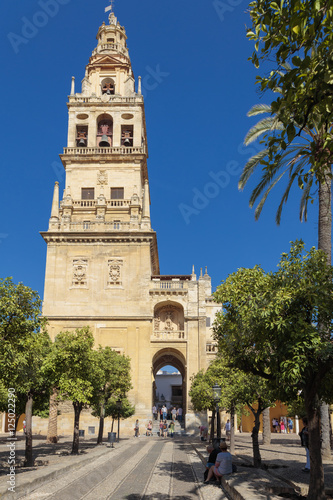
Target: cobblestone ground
[(140, 469)]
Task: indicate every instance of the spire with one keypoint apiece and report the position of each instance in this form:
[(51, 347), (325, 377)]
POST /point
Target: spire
[(146, 207), (73, 86), (55, 202)]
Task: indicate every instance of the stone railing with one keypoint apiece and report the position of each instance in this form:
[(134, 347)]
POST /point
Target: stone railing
[(168, 285), (94, 203), (122, 150), (211, 348), (110, 46), (167, 336), (102, 226), (115, 99)]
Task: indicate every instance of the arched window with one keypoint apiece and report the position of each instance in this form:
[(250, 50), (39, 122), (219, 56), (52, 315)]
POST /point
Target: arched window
[(104, 131), (108, 86)]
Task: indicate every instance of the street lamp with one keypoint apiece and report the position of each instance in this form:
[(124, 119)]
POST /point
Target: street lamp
[(217, 398), (118, 405)]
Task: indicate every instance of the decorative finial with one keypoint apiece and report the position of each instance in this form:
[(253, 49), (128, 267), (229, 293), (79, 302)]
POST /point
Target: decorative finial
[(112, 17)]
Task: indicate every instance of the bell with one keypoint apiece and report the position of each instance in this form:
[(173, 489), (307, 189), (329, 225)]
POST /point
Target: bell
[(104, 143), (82, 143), (127, 142), (108, 92)]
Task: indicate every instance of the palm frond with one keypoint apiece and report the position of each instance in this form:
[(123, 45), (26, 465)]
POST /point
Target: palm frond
[(258, 109), (266, 180), (259, 208), (250, 167), (265, 125)]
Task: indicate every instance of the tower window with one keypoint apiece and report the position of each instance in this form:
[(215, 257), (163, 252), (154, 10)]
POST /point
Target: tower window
[(81, 136), (116, 224), (87, 193), (108, 85), (104, 133), (127, 135), (117, 193), (110, 40)]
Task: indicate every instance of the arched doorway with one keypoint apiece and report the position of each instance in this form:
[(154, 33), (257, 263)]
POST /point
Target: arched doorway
[(175, 394)]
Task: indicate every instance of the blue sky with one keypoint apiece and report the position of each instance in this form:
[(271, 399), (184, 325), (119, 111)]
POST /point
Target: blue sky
[(198, 86)]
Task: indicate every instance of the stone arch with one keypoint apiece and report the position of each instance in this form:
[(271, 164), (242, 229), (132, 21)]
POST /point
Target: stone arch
[(108, 86), (169, 320), (171, 356), (104, 130)]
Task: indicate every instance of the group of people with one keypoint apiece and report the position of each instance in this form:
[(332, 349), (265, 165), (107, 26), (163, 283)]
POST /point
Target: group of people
[(283, 426), (219, 463), (165, 413)]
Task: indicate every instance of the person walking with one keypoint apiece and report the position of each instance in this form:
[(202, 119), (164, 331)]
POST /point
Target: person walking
[(136, 428), (154, 410), (290, 426), (172, 428), (228, 429)]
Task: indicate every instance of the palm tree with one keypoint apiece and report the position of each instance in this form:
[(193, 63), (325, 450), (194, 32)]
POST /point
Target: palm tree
[(301, 160)]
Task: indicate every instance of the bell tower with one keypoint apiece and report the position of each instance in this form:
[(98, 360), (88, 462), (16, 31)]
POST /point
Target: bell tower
[(101, 250), (102, 267)]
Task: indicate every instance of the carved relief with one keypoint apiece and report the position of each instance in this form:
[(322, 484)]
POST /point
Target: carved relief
[(169, 318), (102, 177), (80, 267), (114, 272)]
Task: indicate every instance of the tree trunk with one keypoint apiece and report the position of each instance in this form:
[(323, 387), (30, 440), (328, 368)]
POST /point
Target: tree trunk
[(77, 411), (325, 244), (232, 430), (255, 440), (112, 424), (266, 426), (52, 429), (28, 461), (316, 485), (101, 426)]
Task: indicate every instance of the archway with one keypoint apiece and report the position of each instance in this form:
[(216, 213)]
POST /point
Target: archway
[(173, 392)]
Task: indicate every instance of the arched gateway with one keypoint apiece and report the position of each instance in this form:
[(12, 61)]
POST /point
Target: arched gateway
[(102, 266)]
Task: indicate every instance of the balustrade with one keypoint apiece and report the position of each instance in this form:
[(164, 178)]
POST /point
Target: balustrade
[(168, 336), (112, 150)]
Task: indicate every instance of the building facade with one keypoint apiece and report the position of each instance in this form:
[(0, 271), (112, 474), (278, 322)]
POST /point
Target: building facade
[(102, 267)]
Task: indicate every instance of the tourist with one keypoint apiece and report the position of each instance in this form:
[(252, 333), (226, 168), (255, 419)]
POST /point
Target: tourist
[(164, 412), (165, 429), (213, 452), (223, 464), (174, 413), (136, 429), (275, 424), (304, 435), (161, 428), (228, 429), (149, 428), (180, 414), (290, 426), (203, 432), (282, 426), (172, 428), (154, 412)]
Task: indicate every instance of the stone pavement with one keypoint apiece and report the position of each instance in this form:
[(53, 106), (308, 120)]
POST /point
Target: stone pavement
[(152, 468)]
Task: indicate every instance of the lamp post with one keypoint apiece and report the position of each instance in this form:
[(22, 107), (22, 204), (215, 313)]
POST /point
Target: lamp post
[(118, 405), (217, 398)]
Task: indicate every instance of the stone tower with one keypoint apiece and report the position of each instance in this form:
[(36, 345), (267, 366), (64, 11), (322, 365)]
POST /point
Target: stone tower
[(102, 266)]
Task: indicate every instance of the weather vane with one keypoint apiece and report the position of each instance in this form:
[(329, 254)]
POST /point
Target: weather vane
[(110, 7)]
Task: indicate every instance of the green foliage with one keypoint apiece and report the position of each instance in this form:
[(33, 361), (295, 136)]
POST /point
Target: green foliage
[(237, 388), (72, 366), (126, 410), (293, 38), (113, 379), (19, 321), (269, 322)]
